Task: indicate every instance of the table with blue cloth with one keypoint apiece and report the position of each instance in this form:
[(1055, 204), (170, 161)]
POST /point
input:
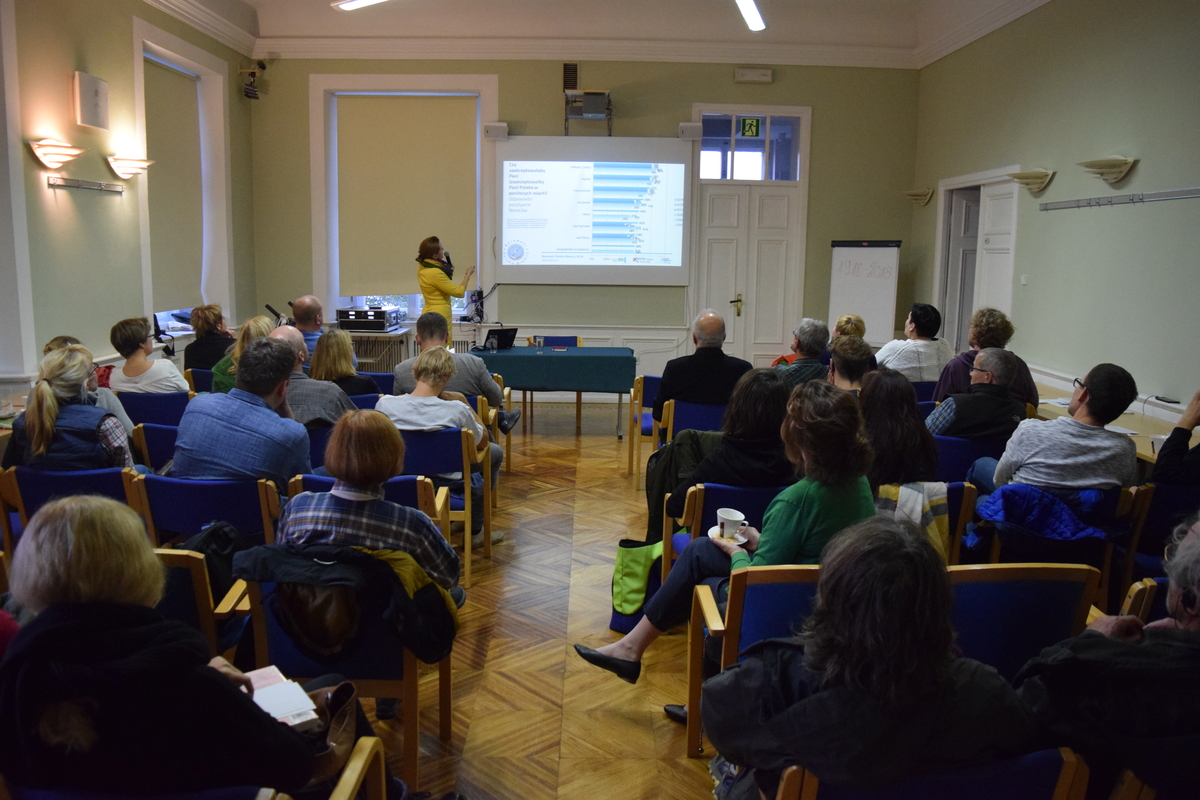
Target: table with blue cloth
[(566, 369)]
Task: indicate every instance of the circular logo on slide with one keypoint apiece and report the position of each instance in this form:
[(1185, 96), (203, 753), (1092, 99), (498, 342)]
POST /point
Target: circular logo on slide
[(516, 252)]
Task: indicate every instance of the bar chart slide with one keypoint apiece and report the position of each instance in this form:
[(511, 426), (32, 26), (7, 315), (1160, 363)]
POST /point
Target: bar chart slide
[(592, 212)]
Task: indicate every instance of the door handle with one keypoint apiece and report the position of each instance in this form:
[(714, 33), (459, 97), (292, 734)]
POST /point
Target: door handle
[(738, 303)]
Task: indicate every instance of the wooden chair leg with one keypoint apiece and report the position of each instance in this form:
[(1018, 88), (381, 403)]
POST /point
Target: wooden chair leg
[(488, 489), (466, 582), (445, 692), (410, 718), (695, 675), (579, 412)]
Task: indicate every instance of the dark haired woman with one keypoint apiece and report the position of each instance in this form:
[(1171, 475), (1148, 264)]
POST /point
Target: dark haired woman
[(436, 278), (748, 450), (823, 430), (905, 451), (870, 691)]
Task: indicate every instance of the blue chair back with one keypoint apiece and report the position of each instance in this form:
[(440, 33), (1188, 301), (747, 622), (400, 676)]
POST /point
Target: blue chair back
[(38, 487), (955, 456), (160, 443), (386, 381), (202, 379), (401, 490), (1005, 615), (432, 452), (226, 793), (924, 390), (186, 507), (473, 402), (697, 417), (751, 501), (650, 384), (366, 402), (774, 611), (318, 440), (925, 408), (1030, 777), (159, 409)]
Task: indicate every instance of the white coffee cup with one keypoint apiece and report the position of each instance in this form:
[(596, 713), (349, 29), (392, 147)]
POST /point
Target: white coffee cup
[(729, 522), (1156, 442)]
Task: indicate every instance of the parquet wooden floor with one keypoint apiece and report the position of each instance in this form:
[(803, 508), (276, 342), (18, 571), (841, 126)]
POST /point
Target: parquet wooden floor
[(531, 719)]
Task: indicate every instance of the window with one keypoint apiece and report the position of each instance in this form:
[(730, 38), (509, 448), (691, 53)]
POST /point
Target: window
[(412, 303), (750, 147)]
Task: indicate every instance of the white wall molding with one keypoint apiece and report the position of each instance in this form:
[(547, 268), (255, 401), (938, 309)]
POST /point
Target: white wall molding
[(584, 50), (977, 28), (208, 22)]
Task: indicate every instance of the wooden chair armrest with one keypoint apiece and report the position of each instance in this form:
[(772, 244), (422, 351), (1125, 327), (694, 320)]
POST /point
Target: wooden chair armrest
[(242, 609), (227, 605), (707, 606), (1094, 614), (365, 770)]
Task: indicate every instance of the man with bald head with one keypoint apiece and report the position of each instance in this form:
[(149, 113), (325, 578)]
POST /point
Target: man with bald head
[(309, 315), (707, 375), (311, 400)]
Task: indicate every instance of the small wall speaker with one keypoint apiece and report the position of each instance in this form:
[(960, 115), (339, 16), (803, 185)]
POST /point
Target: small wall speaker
[(91, 101), (691, 130), (496, 131)]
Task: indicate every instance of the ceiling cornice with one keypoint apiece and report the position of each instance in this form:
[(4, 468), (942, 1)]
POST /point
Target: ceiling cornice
[(585, 50), (208, 22), (975, 29)]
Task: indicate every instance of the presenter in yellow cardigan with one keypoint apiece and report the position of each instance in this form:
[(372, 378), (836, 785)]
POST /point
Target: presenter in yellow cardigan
[(436, 277)]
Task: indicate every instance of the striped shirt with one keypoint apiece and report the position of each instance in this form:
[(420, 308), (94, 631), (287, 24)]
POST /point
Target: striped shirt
[(351, 517)]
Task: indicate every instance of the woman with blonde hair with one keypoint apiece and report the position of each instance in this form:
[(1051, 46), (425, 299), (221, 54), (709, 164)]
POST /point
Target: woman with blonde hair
[(61, 428), (212, 340), (436, 278), (333, 361), (225, 370), (98, 392)]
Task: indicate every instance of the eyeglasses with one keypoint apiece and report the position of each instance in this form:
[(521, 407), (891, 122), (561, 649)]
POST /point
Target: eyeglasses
[(1078, 384), (95, 368), (984, 371)]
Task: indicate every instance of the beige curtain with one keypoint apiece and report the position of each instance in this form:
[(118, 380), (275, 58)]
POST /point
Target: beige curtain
[(406, 170), (174, 198)]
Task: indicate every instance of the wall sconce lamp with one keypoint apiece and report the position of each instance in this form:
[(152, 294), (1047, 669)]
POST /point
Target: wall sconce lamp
[(54, 154), (1035, 180), (1110, 170), (919, 197), (128, 167)]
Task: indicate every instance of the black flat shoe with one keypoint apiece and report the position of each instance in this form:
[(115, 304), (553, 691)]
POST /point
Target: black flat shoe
[(676, 714), (627, 671)]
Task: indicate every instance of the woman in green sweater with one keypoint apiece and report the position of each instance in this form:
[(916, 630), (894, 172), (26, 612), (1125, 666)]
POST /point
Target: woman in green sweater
[(823, 432)]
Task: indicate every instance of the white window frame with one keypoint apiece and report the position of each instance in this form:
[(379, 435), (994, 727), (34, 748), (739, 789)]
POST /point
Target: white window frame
[(738, 109)]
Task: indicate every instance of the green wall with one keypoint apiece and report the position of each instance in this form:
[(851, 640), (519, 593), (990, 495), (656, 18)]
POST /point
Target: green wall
[(1076, 80), (84, 245), (863, 141)]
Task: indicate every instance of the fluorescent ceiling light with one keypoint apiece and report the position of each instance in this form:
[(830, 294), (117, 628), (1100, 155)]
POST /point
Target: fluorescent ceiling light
[(754, 20), (350, 5)]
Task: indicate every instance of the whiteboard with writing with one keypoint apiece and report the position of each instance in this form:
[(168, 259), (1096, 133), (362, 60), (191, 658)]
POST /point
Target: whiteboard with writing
[(863, 282)]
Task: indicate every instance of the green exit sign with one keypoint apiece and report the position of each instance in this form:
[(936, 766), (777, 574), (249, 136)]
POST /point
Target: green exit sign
[(752, 127)]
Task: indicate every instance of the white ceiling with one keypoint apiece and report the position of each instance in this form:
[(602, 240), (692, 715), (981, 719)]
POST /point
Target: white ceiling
[(883, 33)]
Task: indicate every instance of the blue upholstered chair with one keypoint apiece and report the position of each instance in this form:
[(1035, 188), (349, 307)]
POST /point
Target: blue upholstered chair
[(1043, 775), (188, 598), (155, 443), (366, 402), (1164, 508), (200, 380), (679, 416), (413, 491), (161, 409), (763, 603), (318, 440), (700, 513), (955, 455), (24, 490), (172, 507), (386, 381), (924, 390), (1005, 614), (925, 408)]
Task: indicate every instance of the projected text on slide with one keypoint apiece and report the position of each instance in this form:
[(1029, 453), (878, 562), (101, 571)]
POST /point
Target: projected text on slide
[(592, 212)]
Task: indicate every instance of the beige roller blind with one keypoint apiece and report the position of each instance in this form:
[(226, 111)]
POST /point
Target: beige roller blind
[(406, 170), (174, 201)]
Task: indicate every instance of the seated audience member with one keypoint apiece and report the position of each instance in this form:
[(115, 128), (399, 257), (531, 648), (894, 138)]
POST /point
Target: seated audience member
[(225, 370), (134, 340), (471, 376), (431, 408), (870, 691), (248, 432), (920, 357), (986, 410), (312, 401), (99, 393), (212, 340), (809, 339), (1071, 452), (308, 317), (823, 430), (61, 428), (747, 451), (988, 328), (849, 325), (706, 376), (849, 359), (1125, 695), (333, 361), (365, 450), (1177, 465), (91, 688), (904, 449)]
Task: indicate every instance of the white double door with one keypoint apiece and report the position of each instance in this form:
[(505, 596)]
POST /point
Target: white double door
[(751, 265)]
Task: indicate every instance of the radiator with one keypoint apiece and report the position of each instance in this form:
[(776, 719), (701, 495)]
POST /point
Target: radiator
[(379, 353)]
